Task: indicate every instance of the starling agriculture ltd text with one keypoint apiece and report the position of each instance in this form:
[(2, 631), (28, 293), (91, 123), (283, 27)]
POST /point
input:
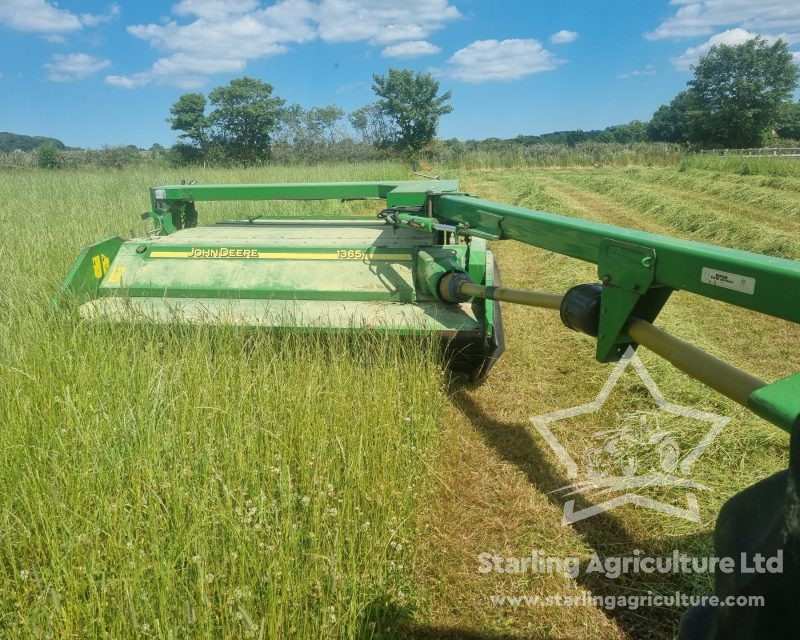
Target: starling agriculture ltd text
[(637, 563)]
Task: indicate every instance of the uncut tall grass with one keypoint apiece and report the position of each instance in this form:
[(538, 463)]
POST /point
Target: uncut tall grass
[(180, 482)]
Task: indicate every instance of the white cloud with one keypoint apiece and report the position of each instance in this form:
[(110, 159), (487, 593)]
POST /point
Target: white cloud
[(40, 16), (410, 49), (221, 36), (181, 70), (74, 66), (224, 35), (649, 70), (704, 17), (730, 37), (37, 16), (564, 36), (728, 22), (500, 60), (382, 21)]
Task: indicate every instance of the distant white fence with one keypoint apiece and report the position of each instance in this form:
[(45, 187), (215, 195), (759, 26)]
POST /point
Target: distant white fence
[(762, 151)]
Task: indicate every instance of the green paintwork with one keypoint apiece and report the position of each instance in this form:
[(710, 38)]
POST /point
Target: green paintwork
[(308, 271), (779, 402)]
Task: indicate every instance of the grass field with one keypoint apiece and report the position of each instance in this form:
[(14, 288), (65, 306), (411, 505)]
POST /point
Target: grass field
[(193, 483)]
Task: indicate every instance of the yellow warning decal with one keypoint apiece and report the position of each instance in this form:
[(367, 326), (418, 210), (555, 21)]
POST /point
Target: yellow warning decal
[(100, 264), (339, 254)]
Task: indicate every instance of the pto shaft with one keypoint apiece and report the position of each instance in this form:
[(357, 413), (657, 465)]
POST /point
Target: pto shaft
[(734, 383), (517, 296)]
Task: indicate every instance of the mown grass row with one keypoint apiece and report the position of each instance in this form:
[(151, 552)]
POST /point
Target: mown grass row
[(177, 482), (675, 212), (728, 190)]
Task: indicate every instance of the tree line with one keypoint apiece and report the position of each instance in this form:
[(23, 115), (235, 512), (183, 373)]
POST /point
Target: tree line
[(739, 96), (244, 121)]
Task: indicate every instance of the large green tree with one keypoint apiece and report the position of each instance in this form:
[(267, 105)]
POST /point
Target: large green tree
[(240, 125), (413, 103), (244, 115), (740, 92)]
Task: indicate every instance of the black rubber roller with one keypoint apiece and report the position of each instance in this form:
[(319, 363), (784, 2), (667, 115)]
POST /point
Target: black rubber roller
[(580, 308)]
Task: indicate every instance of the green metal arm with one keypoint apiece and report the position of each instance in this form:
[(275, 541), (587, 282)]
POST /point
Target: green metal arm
[(674, 263), (303, 191), (173, 205)]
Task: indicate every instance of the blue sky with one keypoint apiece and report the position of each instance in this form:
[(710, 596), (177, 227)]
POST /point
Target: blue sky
[(92, 72)]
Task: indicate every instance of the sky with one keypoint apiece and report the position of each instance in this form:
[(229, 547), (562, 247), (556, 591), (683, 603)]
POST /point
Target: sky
[(94, 73)]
